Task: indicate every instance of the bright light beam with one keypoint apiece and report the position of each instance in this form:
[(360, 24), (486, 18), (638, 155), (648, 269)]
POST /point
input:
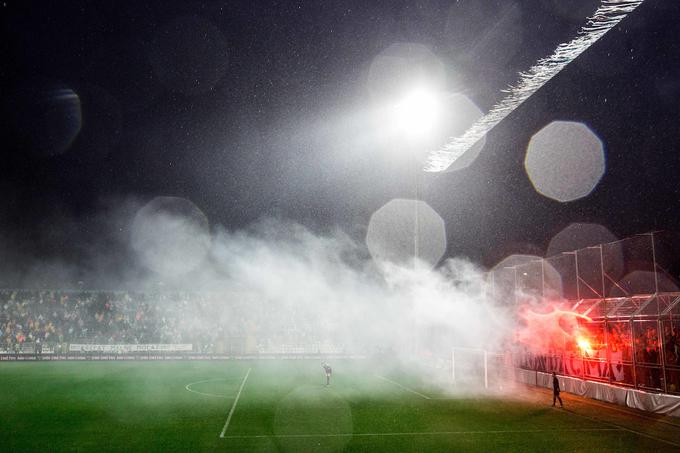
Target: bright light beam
[(607, 16), (415, 115)]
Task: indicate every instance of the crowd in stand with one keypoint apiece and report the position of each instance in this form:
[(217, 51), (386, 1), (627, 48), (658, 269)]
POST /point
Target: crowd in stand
[(647, 344), (619, 340), (609, 351), (56, 318), (672, 342)]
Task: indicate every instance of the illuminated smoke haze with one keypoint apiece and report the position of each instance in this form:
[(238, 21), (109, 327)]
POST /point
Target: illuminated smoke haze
[(330, 281), (325, 284)]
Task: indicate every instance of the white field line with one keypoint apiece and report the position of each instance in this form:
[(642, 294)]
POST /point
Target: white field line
[(233, 406), (403, 387), (435, 433), (649, 436), (214, 395)]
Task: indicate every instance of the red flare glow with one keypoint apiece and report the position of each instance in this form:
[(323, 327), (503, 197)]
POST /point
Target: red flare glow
[(584, 345), (552, 330)]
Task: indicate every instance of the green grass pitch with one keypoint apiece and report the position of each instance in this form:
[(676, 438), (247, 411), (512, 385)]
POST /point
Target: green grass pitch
[(285, 406)]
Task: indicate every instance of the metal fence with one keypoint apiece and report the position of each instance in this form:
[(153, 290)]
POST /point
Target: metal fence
[(627, 301)]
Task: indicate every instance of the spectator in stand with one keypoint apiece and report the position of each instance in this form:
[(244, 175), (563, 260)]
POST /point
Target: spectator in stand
[(676, 344), (672, 346), (57, 317)]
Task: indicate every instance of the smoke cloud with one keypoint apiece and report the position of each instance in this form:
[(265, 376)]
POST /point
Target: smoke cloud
[(321, 287)]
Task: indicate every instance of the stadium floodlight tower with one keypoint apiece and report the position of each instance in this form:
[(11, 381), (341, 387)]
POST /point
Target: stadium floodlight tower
[(415, 116)]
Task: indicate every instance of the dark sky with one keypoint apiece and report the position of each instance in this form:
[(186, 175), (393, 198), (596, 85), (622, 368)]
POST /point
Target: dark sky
[(240, 107)]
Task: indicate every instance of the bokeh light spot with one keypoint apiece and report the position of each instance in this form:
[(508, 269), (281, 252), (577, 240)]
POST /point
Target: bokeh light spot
[(525, 279), (43, 118), (577, 248), (170, 235), (565, 161), (392, 236), (643, 282), (579, 235)]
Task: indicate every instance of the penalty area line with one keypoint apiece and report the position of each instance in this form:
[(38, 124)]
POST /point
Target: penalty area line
[(233, 406), (403, 387), (434, 433)]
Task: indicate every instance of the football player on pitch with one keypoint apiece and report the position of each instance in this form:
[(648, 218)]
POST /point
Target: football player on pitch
[(329, 372)]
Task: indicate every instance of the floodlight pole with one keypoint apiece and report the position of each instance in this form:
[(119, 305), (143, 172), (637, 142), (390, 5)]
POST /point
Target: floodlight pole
[(662, 351), (416, 221), (656, 277), (542, 280), (514, 269), (604, 296), (578, 289)]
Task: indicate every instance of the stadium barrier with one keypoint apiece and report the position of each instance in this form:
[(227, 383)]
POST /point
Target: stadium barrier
[(123, 348), (185, 351), (171, 356), (637, 399)]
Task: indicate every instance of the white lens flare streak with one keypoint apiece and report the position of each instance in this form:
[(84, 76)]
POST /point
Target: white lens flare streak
[(606, 17)]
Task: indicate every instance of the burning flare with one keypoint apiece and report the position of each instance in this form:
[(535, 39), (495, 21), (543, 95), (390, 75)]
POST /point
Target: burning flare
[(552, 330)]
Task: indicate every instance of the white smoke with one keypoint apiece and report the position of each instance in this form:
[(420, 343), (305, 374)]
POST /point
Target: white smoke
[(170, 235), (305, 286), (328, 287)]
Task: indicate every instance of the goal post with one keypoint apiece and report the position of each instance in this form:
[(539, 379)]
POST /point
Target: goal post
[(470, 367)]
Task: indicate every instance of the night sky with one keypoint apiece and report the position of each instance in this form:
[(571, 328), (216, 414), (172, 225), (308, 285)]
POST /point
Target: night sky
[(242, 107)]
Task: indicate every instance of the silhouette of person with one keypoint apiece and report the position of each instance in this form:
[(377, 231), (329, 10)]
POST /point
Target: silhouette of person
[(327, 369), (556, 390)]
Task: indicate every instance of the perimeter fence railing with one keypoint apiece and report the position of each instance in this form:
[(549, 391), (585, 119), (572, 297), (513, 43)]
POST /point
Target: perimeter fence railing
[(619, 305)]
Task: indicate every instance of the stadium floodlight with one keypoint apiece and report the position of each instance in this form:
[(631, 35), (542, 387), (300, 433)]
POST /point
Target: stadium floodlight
[(606, 17), (415, 116), (416, 113)]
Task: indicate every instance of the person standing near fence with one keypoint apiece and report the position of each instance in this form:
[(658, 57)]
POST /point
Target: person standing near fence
[(556, 390)]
